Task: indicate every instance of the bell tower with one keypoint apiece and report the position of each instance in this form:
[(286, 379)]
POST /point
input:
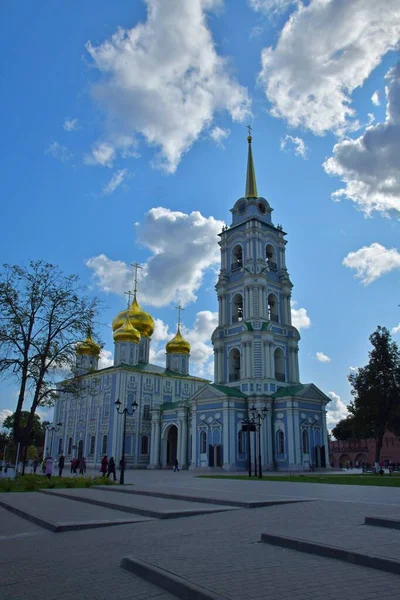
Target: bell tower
[(255, 343)]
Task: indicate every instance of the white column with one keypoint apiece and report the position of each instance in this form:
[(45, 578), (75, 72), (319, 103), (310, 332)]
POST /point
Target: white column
[(267, 360), (179, 445), (184, 444), (249, 361), (296, 364), (292, 373), (297, 440), (194, 439), (225, 449), (325, 435), (290, 436), (268, 419), (251, 313), (263, 375), (272, 362)]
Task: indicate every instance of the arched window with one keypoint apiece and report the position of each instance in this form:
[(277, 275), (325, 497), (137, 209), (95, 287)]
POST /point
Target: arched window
[(279, 362), (306, 447), (104, 445), (203, 442), (128, 444), (146, 412), (92, 445), (270, 257), (241, 442), (273, 314), (237, 308), (234, 365), (70, 445), (237, 257), (145, 445), (59, 450), (280, 442)]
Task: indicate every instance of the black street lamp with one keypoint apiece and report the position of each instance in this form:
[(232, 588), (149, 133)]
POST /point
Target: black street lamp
[(125, 412), (52, 429), (258, 415), (248, 425)]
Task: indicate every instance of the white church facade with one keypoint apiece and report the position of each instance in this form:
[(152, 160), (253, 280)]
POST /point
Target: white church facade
[(183, 417)]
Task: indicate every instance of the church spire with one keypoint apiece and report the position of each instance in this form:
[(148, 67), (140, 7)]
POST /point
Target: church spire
[(251, 184)]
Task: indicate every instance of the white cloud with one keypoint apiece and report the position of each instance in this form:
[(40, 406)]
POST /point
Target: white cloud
[(396, 330), (70, 124), (115, 181), (4, 413), (102, 153), (219, 135), (164, 78), (256, 32), (325, 51), (295, 144), (300, 318), (369, 166), (183, 247), (371, 262), (322, 357), (353, 369), (59, 151), (106, 359), (336, 410), (199, 337), (271, 7), (375, 99)]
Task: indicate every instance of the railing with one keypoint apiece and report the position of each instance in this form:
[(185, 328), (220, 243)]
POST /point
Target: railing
[(280, 376), (274, 318), (234, 376), (236, 265)]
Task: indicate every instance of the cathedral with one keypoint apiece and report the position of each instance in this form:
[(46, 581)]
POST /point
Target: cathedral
[(177, 416)]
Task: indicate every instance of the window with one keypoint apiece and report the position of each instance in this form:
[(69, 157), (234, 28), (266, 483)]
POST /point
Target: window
[(104, 445), (128, 444), (305, 442), (280, 438), (146, 412), (237, 308), (92, 445), (270, 257), (203, 442), (279, 362), (145, 445), (237, 257), (241, 442), (59, 446), (234, 365), (273, 308), (106, 406), (148, 380), (70, 445)]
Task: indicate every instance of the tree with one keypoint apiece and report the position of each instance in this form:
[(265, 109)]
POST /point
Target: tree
[(37, 432), (43, 314), (345, 429), (376, 391)]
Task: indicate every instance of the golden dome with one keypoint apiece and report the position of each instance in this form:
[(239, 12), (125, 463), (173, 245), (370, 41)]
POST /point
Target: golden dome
[(139, 319), (88, 347), (178, 345), (126, 333)]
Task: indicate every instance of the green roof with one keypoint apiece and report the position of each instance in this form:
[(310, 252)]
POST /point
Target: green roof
[(229, 391), (146, 368), (290, 390)]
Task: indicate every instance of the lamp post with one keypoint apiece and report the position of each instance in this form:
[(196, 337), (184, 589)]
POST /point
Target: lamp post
[(258, 415), (248, 425), (125, 412), (52, 429)]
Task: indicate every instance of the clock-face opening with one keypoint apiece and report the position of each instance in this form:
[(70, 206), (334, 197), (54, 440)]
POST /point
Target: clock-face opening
[(242, 208), (262, 208)]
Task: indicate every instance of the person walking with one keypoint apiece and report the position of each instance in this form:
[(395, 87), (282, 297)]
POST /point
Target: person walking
[(82, 465), (61, 462), (49, 467), (35, 464), (176, 465), (111, 469), (104, 465)]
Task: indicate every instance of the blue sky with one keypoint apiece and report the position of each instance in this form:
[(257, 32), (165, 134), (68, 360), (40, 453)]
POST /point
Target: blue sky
[(124, 139)]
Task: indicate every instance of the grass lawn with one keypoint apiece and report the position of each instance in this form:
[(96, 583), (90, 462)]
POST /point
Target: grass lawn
[(378, 480), (32, 483)]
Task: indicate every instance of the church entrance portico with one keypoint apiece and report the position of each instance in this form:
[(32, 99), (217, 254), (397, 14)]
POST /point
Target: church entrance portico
[(169, 446)]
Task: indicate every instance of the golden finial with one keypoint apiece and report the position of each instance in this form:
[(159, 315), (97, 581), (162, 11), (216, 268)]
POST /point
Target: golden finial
[(129, 294), (179, 309), (251, 185), (135, 279)]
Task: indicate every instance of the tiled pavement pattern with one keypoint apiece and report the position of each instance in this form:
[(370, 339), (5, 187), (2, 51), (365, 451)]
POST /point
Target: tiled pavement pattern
[(219, 551)]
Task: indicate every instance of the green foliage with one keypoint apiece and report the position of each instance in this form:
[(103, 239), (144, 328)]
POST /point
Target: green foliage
[(376, 391), (32, 483), (346, 429), (370, 480), (36, 432)]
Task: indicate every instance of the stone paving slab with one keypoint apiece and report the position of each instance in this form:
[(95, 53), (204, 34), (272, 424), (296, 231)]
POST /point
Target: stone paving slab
[(160, 508), (391, 523), (202, 496), (58, 514)]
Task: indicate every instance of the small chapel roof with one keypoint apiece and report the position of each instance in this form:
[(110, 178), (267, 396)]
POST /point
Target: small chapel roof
[(229, 391)]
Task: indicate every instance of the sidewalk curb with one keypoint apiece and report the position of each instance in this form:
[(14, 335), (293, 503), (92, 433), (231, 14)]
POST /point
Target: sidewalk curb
[(29, 517), (183, 497), (383, 522), (356, 558), (167, 580)]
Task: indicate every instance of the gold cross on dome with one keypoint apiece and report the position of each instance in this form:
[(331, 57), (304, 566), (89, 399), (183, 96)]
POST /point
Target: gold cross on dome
[(136, 267), (129, 294), (179, 309)]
